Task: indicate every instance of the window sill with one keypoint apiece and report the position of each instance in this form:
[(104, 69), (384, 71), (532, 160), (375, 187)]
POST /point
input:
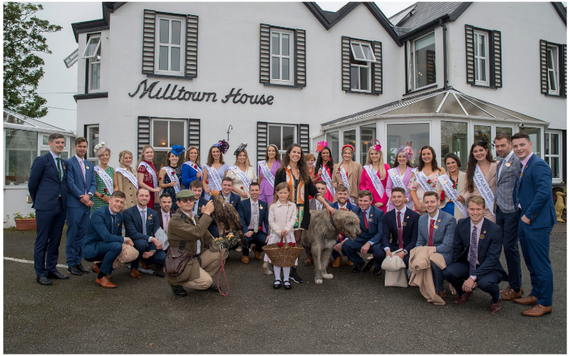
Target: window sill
[(427, 87), (555, 96), (169, 76), (361, 92), (290, 86), (21, 186), (90, 96), (484, 86)]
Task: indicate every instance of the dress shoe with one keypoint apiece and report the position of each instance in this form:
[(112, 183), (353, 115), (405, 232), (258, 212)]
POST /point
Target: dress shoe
[(377, 271), (496, 307), (95, 269), (245, 259), (258, 255), (44, 281), (509, 287), (358, 267), (528, 300), (368, 266), (82, 269), (350, 264), (510, 294), (294, 276), (135, 273), (178, 290), (277, 284), (74, 270), (462, 299), (142, 264), (213, 287), (309, 260), (336, 263), (287, 285), (537, 310), (442, 294), (104, 282), (56, 275)]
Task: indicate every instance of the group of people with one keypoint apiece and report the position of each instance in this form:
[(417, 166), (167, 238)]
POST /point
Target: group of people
[(463, 217)]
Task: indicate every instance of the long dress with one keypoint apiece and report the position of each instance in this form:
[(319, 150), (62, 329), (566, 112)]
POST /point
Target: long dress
[(170, 190), (266, 187), (328, 196), (491, 178), (353, 173), (101, 187), (249, 172), (125, 186), (221, 171), (432, 180), (406, 180), (148, 180), (366, 184)]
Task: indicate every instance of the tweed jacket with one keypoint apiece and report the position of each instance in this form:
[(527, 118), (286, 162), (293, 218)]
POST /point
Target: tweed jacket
[(506, 183), (353, 173)]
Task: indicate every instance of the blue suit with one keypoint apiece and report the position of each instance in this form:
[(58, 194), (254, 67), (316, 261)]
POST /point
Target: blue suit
[(390, 232), (49, 195), (443, 237), (489, 272), (373, 235), (77, 217), (103, 241), (234, 200), (349, 206), (259, 237), (134, 230), (534, 193)]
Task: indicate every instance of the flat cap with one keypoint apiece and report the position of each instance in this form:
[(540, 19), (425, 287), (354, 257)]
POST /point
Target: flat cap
[(185, 193)]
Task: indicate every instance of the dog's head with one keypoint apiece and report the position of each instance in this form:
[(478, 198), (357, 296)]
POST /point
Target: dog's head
[(347, 223)]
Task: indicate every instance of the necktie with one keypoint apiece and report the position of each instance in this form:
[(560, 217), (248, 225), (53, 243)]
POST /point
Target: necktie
[(255, 218), (473, 252), (431, 223), (226, 199), (400, 239), (365, 219), (59, 167), (113, 216), (143, 216), (82, 168)]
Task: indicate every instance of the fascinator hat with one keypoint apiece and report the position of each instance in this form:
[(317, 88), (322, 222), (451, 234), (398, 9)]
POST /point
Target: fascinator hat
[(240, 148), (177, 150), (349, 146), (408, 150), (222, 145), (376, 145), (321, 145), (99, 149)]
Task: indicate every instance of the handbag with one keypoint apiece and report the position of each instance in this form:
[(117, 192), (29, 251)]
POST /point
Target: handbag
[(176, 260)]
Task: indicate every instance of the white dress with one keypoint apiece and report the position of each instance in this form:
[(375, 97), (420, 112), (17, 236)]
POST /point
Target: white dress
[(249, 172), (281, 217)]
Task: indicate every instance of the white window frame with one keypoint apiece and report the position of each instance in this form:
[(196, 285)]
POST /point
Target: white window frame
[(91, 156), (362, 46), (168, 143), (169, 45), (478, 58), (412, 85), (553, 67), (282, 149), (359, 77), (45, 148), (550, 155), (87, 55), (280, 56), (354, 63)]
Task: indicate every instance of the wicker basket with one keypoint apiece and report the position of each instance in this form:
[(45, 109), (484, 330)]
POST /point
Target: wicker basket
[(283, 256)]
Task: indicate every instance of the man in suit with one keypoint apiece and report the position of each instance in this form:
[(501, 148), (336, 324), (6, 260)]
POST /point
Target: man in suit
[(253, 214), (103, 241), (229, 197), (476, 252), (400, 227), (314, 204), (166, 211), (196, 188), (141, 224), (371, 224), (341, 203), (48, 188), (508, 170), (436, 228), (533, 201), (81, 185)]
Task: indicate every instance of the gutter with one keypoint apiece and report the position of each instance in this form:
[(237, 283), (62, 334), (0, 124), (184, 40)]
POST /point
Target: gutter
[(445, 87)]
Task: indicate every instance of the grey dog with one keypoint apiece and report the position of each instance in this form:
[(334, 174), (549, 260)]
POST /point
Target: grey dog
[(322, 234)]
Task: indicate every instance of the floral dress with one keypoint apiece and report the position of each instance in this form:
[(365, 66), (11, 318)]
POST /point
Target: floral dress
[(431, 180), (102, 189), (148, 180), (170, 190)]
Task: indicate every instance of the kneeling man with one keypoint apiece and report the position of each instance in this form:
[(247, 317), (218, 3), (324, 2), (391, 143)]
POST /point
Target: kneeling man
[(253, 214), (190, 232), (476, 251)]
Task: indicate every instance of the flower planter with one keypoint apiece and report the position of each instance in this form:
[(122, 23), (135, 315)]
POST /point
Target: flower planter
[(25, 224)]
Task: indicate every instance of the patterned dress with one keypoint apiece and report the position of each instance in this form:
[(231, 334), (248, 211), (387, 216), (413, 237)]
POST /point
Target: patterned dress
[(432, 181), (97, 203), (170, 190), (148, 180)]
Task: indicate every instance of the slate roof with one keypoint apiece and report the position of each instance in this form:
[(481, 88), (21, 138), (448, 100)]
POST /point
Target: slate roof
[(426, 13)]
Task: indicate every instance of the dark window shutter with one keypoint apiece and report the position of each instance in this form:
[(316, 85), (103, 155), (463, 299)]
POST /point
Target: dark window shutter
[(143, 129), (194, 133), (470, 54), (497, 71), (377, 67), (261, 140), (345, 63), (543, 68), (191, 46), (265, 34), (300, 59), (563, 72), (149, 31), (304, 137)]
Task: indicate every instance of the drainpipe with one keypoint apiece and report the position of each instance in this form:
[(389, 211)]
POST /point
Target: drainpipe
[(445, 87)]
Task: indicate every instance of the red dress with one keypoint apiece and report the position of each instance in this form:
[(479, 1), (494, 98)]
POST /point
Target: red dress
[(148, 180), (366, 184), (328, 196)]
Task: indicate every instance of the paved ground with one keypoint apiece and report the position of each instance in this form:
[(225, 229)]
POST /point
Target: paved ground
[(349, 314)]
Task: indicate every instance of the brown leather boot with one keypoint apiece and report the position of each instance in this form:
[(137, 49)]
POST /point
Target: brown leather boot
[(336, 262)]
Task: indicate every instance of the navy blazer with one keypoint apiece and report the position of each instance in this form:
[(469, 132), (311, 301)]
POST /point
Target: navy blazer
[(44, 184), (234, 199), (442, 235), (244, 211), (409, 230), (133, 223), (375, 225), (200, 204), (488, 250), (534, 193), (349, 206), (101, 230), (76, 184)]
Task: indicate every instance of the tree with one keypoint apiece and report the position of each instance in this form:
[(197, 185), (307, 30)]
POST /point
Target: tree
[(22, 68)]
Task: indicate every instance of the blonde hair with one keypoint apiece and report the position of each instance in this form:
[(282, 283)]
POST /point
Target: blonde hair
[(381, 169), (197, 157), (122, 157), (281, 186), (141, 158), (247, 163)]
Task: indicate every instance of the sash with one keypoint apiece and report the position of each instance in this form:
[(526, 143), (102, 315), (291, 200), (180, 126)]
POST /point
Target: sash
[(422, 179), (195, 167), (396, 178), (105, 178), (344, 178), (173, 178), (131, 177), (484, 189), (452, 193), (327, 179), (245, 180), (214, 177), (267, 172), (152, 173), (375, 180)]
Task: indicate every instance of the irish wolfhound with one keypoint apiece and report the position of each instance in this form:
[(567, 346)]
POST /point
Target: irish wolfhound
[(322, 234)]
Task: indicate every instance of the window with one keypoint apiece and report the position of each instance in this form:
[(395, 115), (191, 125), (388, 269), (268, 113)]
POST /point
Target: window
[(507, 130), (361, 66), (367, 134), (92, 47), (552, 149), (92, 136), (332, 139), (349, 138), (481, 133), (169, 47), (422, 62), (481, 45), (44, 146), (553, 68), (92, 55), (165, 134), (454, 140), (282, 136), (282, 56), (415, 134), (21, 150), (535, 137)]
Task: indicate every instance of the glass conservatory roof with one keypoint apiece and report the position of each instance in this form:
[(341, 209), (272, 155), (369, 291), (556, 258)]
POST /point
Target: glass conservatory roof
[(12, 117)]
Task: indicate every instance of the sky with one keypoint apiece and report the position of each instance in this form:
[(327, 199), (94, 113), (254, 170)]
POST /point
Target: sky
[(59, 83)]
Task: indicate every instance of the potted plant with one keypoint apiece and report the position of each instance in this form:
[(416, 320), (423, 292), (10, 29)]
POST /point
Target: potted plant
[(25, 222)]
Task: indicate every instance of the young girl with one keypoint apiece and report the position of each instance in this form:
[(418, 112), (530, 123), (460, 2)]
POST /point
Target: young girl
[(282, 218)]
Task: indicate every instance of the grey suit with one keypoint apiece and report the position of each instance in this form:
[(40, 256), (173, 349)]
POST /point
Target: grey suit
[(506, 183), (313, 204), (443, 237)]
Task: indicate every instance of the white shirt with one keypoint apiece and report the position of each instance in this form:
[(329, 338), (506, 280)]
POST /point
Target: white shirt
[(318, 205), (165, 219), (145, 214), (341, 206), (434, 218), (254, 205), (479, 226)]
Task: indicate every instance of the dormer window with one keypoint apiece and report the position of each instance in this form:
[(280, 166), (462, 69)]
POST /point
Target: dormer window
[(361, 66), (92, 55), (421, 66)]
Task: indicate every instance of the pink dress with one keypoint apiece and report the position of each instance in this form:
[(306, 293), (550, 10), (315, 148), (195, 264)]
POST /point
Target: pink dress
[(366, 184), (328, 196), (406, 181), (266, 187)]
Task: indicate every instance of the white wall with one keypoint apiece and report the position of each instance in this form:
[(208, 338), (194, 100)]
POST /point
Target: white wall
[(14, 202)]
